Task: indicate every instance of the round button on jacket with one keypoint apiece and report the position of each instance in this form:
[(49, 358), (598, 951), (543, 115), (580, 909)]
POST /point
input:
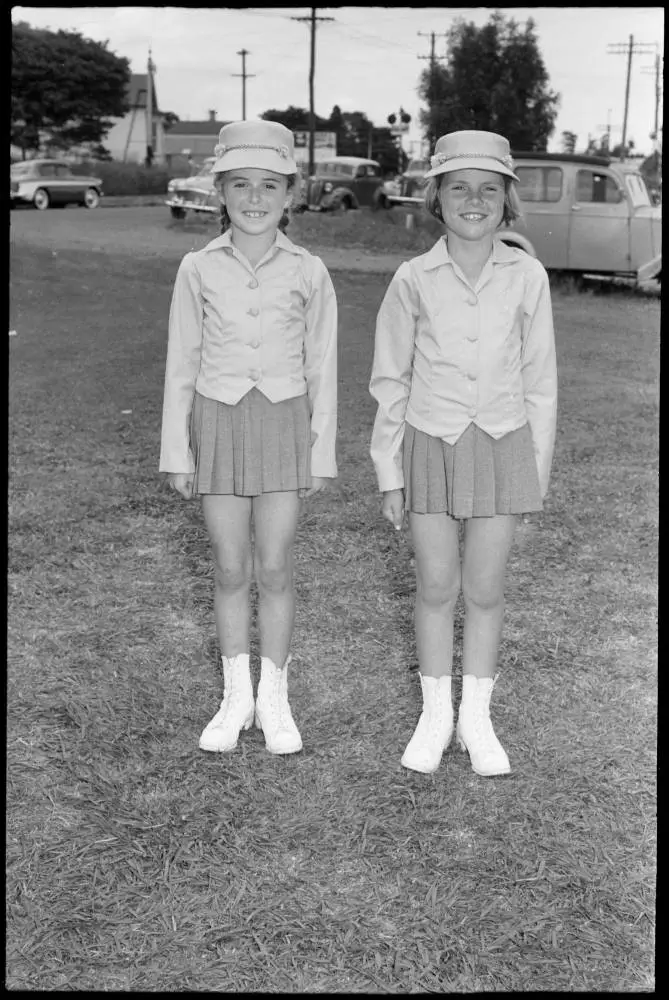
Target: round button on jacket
[(252, 283), (254, 375), (253, 311)]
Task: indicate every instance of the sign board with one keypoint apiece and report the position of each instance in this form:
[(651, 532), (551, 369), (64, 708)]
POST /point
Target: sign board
[(322, 140)]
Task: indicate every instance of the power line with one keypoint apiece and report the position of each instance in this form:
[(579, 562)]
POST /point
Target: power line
[(629, 48), (312, 19), (243, 53)]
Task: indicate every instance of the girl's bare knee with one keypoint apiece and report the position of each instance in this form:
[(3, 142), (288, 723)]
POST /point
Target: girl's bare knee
[(232, 576), (274, 577), (481, 596)]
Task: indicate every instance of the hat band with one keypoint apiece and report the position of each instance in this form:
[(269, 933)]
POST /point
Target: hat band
[(440, 158), (222, 150)]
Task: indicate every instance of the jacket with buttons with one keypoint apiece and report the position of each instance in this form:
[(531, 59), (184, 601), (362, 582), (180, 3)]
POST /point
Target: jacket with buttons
[(448, 354), (233, 328)]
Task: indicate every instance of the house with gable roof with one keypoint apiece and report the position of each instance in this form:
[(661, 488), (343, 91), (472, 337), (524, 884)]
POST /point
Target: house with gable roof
[(127, 139)]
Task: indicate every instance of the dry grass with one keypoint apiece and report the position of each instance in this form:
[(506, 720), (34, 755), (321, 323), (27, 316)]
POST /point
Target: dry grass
[(136, 862)]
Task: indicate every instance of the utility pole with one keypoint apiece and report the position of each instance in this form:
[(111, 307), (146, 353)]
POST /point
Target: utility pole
[(657, 71), (433, 62), (149, 112), (607, 130), (629, 48), (243, 53), (312, 19)]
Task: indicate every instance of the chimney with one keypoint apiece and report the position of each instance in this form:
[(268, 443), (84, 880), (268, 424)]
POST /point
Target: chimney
[(212, 116)]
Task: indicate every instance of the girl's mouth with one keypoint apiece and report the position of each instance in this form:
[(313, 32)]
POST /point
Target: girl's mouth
[(255, 215), (473, 216)]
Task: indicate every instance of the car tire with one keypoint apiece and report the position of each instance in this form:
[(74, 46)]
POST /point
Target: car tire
[(91, 198), (41, 199), (177, 213), (343, 206)]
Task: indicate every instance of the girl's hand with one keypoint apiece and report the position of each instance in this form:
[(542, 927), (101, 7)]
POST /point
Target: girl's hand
[(317, 483), (182, 482), (393, 507)]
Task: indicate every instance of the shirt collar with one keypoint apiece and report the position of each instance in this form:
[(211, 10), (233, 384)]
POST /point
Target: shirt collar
[(439, 255), (224, 241)]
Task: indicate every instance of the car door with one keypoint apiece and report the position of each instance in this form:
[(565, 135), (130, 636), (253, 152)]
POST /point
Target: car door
[(545, 202), (367, 180), (599, 223), (48, 182), (70, 188)]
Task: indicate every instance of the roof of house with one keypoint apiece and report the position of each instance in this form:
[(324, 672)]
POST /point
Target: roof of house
[(197, 128), (137, 91)]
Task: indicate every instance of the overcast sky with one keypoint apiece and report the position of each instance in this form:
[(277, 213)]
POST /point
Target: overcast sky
[(367, 58)]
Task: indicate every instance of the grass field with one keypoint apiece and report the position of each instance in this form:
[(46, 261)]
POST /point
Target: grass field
[(137, 862)]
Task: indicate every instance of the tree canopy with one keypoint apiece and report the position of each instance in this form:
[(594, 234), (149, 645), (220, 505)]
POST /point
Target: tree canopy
[(494, 79), (64, 88), (356, 134)]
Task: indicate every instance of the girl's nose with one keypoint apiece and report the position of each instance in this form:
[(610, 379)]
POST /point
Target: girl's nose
[(254, 194)]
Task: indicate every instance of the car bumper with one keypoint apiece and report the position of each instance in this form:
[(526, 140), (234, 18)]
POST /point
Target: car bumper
[(194, 204), (651, 269)]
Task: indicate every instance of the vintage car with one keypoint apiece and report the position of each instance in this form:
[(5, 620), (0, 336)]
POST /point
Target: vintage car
[(195, 194), (51, 184), (408, 187), (587, 215), (582, 214), (342, 183)]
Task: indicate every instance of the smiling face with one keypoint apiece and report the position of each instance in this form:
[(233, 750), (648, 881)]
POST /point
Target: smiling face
[(472, 203), (255, 199)]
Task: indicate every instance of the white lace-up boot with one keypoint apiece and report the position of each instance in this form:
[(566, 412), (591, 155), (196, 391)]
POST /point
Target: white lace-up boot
[(236, 711), (435, 726), (273, 715), (474, 731)]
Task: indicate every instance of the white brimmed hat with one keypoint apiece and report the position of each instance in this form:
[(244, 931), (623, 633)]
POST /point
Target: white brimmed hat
[(472, 149), (265, 145)]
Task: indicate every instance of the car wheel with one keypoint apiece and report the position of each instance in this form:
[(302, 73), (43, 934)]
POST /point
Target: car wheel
[(343, 206), (177, 213), (91, 198), (41, 199)]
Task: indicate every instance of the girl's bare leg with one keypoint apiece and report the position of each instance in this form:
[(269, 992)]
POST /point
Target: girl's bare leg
[(487, 545), (275, 524), (228, 521), (436, 547)]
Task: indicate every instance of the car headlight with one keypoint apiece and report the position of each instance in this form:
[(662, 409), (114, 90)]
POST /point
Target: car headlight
[(327, 187), (172, 186)]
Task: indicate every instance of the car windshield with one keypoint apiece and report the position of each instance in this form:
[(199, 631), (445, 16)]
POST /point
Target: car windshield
[(338, 169), (418, 167), (638, 191), (20, 169)]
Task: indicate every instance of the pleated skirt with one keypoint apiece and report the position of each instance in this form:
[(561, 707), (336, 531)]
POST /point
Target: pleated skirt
[(252, 447), (478, 476)]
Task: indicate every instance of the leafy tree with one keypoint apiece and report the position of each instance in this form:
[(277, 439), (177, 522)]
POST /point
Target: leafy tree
[(296, 119), (494, 79), (64, 88), (169, 119), (358, 136), (568, 141)]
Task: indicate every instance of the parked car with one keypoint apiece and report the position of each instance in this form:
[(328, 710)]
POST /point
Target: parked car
[(195, 194), (408, 188), (51, 184), (587, 215), (342, 183), (582, 214)]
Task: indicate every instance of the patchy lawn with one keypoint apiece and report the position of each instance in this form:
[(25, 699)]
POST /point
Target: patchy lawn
[(137, 862)]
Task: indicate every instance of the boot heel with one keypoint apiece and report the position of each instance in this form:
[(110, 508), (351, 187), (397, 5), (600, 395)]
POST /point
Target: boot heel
[(249, 721), (461, 743), (257, 722)]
